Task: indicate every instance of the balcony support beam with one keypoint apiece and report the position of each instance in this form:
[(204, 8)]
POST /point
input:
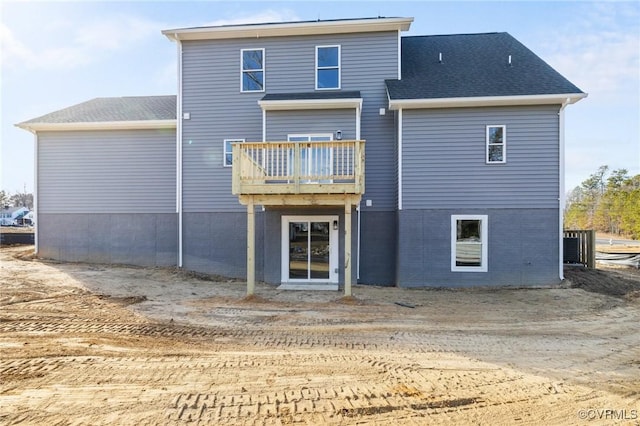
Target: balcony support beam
[(347, 249), (251, 248)]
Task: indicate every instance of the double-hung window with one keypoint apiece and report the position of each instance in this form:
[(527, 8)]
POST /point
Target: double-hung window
[(469, 243), (327, 67), (496, 144), (228, 151), (252, 70)]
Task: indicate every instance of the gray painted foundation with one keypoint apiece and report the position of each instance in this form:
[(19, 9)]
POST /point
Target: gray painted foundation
[(216, 243), (523, 249), (145, 239), (378, 244)]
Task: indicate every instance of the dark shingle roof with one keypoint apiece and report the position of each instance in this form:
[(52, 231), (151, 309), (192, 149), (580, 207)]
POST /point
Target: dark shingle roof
[(132, 108), (355, 94), (473, 65)]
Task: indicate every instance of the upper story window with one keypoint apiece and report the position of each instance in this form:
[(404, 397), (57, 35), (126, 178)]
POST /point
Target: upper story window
[(496, 144), (252, 72), (327, 67), (228, 151)]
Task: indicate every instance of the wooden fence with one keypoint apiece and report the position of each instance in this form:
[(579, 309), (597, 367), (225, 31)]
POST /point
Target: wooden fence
[(580, 247)]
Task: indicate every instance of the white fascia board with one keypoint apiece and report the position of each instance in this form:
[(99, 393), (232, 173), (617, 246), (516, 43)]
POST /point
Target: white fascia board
[(99, 125), (298, 104), (485, 101), (289, 29)]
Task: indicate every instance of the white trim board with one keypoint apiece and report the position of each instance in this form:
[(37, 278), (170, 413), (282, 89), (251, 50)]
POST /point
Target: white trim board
[(395, 104)]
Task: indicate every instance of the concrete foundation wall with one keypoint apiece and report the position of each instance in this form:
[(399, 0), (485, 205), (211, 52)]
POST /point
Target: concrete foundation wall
[(522, 250), (145, 239), (378, 248), (216, 243)]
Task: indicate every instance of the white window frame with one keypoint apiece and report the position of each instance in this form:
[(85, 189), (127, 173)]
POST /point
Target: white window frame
[(484, 240), (263, 69), (309, 138), (504, 144), (334, 248), (339, 67), (225, 152)]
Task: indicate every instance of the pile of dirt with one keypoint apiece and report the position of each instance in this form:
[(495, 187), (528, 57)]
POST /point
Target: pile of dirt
[(620, 283)]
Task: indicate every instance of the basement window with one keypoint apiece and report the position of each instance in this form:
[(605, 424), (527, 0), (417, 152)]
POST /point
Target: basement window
[(469, 241)]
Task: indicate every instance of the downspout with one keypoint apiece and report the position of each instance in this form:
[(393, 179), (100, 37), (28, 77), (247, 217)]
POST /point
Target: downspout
[(561, 198), (35, 190), (400, 159), (179, 152), (358, 121), (358, 242)]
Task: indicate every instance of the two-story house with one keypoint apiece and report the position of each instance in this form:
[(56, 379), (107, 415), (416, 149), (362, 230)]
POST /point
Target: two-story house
[(317, 154)]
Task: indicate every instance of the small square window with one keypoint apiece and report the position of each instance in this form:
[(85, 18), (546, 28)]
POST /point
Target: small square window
[(252, 72), (469, 243), (496, 144), (227, 155), (327, 67)]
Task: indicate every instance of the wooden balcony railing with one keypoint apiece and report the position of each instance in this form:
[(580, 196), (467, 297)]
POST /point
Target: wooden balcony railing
[(332, 167)]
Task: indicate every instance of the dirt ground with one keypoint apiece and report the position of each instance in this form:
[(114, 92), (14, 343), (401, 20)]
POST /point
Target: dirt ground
[(94, 344)]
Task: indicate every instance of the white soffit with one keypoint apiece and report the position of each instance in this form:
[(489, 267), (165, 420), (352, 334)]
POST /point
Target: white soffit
[(479, 101), (99, 125), (290, 29), (297, 104)]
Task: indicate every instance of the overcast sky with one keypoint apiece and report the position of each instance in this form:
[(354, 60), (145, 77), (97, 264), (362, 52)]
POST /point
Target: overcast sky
[(57, 54)]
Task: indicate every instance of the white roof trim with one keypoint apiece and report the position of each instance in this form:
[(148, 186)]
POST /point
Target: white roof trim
[(485, 101), (290, 104), (289, 29), (99, 125)]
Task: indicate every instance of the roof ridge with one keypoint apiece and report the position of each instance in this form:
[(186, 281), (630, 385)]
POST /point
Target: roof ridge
[(457, 35)]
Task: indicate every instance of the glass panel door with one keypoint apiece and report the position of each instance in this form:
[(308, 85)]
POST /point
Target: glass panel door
[(315, 161), (310, 248), (319, 250), (298, 250)]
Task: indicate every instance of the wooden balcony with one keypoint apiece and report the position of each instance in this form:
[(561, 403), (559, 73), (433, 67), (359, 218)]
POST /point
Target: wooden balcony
[(298, 168)]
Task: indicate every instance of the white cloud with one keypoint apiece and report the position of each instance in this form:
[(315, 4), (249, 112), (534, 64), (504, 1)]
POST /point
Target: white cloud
[(269, 15), (87, 42), (116, 33), (600, 52)]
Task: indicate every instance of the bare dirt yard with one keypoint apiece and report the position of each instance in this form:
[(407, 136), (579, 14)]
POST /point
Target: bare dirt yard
[(88, 344)]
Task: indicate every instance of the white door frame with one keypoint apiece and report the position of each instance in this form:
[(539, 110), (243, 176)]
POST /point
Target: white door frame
[(334, 244)]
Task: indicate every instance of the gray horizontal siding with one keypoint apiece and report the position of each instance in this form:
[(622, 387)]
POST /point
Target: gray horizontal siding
[(443, 158), (116, 171), (211, 94), (283, 123)]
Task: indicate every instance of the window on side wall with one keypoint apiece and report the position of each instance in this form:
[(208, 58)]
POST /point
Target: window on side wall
[(469, 243), (327, 67), (496, 144), (252, 70), (227, 156)]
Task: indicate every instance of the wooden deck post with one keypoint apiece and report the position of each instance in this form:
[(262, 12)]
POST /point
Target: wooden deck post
[(251, 248), (591, 249), (347, 247)]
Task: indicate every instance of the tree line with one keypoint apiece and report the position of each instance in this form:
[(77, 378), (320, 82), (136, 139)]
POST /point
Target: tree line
[(606, 202), (18, 199)]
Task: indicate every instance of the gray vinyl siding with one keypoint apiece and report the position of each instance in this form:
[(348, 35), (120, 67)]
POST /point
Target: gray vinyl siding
[(522, 248), (283, 123), (443, 158), (211, 94), (115, 171)]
